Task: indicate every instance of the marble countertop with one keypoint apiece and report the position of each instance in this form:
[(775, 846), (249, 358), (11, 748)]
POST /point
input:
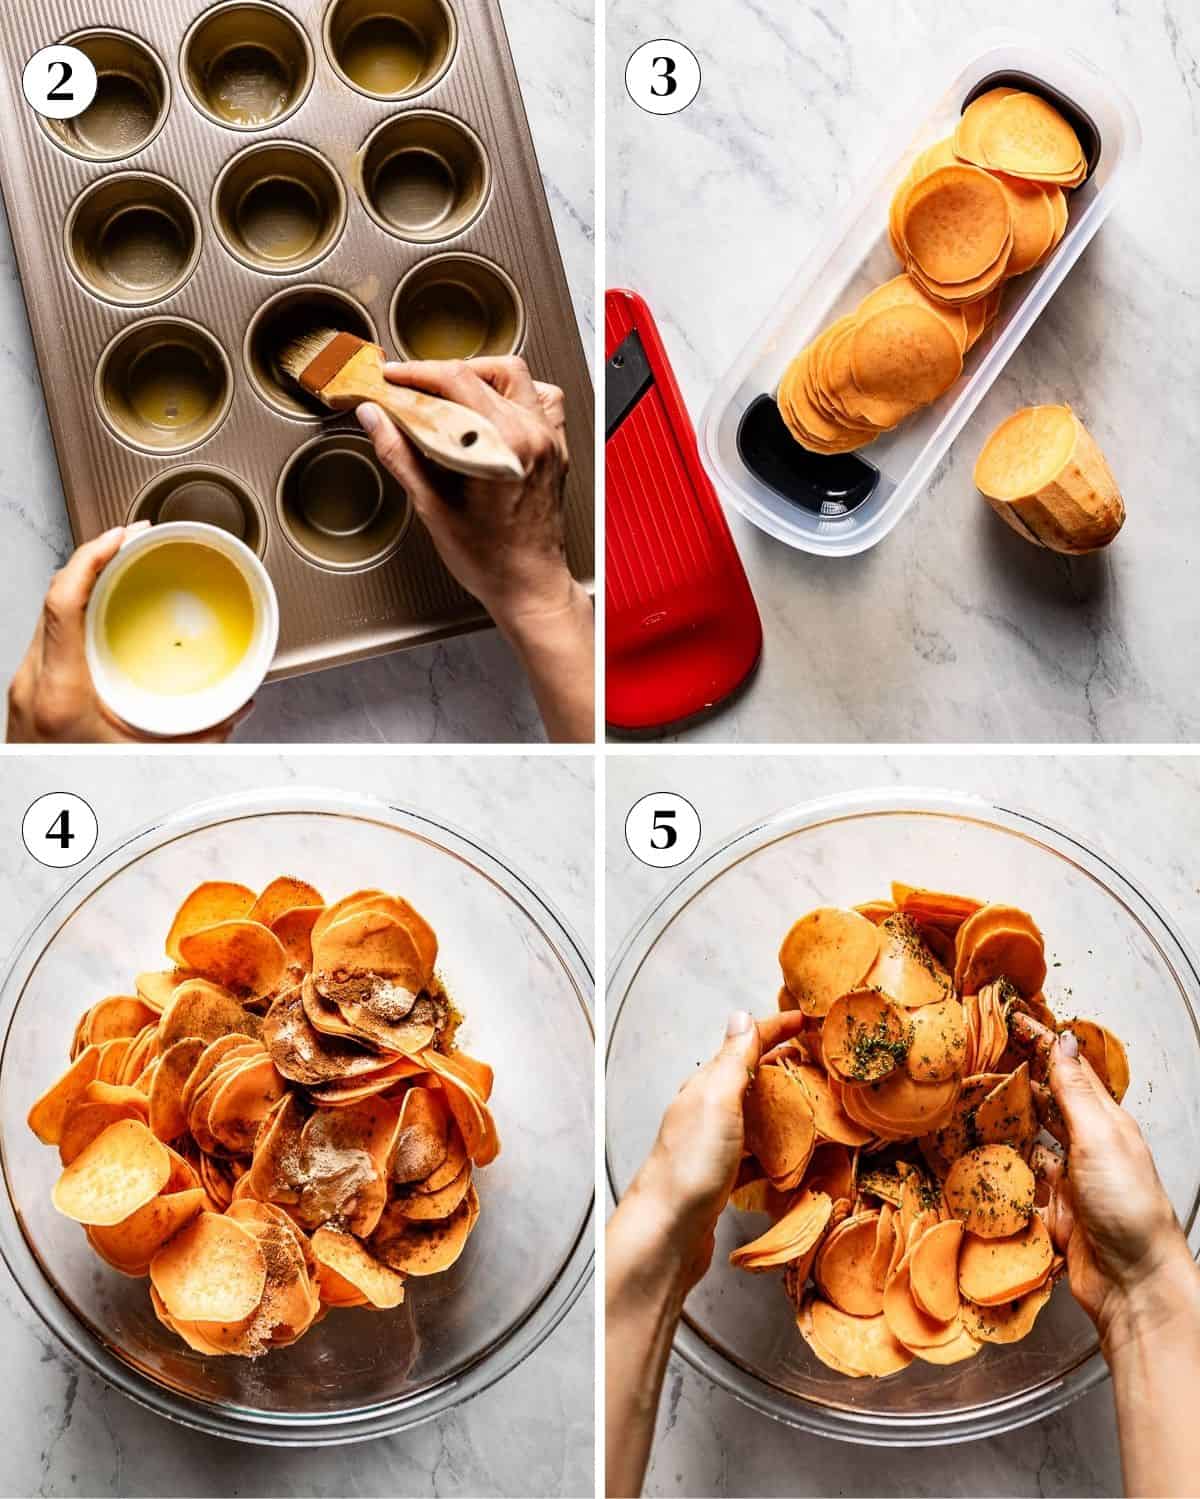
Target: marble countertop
[(1146, 813), (66, 1433), (468, 690), (953, 629)]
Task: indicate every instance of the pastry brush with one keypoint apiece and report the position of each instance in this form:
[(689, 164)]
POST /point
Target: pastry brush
[(342, 371)]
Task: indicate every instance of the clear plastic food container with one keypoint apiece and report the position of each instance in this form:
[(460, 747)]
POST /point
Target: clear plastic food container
[(839, 506)]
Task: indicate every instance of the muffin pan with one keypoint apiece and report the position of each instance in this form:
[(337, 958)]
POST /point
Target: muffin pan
[(251, 170)]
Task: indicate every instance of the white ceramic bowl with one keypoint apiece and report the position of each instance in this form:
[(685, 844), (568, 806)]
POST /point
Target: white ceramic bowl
[(191, 713)]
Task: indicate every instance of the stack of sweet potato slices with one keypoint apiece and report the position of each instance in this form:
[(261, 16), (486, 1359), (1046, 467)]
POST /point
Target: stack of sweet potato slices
[(904, 1143), (974, 211), (278, 1124)]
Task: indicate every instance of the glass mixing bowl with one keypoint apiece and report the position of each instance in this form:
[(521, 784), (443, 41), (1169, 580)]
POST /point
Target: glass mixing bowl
[(709, 947), (525, 985)]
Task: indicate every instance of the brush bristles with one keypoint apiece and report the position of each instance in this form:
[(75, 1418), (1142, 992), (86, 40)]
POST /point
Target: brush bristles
[(296, 357)]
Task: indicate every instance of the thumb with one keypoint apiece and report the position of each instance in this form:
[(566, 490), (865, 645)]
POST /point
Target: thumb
[(735, 1062), (1071, 1083), (67, 601)]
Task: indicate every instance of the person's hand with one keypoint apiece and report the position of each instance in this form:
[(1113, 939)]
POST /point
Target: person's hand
[(688, 1176), (1108, 1211), (51, 700), (505, 542)]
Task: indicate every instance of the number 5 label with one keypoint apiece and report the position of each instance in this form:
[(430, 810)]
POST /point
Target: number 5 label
[(60, 82), (60, 830), (663, 830), (662, 77)]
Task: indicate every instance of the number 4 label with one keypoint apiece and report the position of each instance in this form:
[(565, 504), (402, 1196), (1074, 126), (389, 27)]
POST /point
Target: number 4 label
[(662, 77), (663, 830), (60, 830), (60, 82)]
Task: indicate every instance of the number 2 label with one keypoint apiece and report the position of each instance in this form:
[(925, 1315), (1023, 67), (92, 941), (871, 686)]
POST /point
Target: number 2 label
[(60, 82)]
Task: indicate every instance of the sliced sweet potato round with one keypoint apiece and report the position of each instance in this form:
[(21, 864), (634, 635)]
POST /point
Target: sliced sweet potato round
[(994, 1271), (1010, 1322), (937, 1051), (472, 1115), (826, 954), (1006, 1115), (276, 1172), (214, 901), (155, 988), (843, 1269), (865, 1036), (864, 1345), (118, 1015), (243, 1101), (87, 1120), (243, 956), (960, 1347), (48, 1115), (901, 1108), (1026, 136), (418, 1204), (933, 1270), (368, 942), (168, 1117), (130, 1245), (798, 1231), (294, 930), (423, 1138), (122, 1169), (780, 1131), (212, 1271), (370, 1277), (283, 894), (202, 1008), (909, 1324), (991, 1190), (424, 1248), (999, 941), (832, 1170), (906, 970)]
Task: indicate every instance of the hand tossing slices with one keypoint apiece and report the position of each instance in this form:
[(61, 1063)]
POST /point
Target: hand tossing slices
[(281, 1122), (906, 1142)]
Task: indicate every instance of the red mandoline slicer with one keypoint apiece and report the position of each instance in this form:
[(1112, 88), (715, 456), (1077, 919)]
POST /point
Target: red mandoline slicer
[(682, 626)]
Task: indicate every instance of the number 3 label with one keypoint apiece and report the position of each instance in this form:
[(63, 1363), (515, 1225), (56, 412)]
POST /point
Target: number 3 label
[(60, 830), (663, 830), (60, 82), (663, 77)]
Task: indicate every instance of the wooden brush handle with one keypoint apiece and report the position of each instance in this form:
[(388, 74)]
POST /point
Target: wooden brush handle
[(448, 434)]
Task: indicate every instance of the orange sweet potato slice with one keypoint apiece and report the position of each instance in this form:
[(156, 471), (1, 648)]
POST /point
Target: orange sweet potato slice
[(863, 1346), (937, 1050), (282, 895), (202, 1008), (368, 942), (826, 954), (1006, 1115), (933, 1270), (130, 1245), (908, 1323), (832, 1170), (780, 1132), (994, 1271), (335, 1095), (1008, 1323), (423, 1139), (991, 1190), (336, 1291), (243, 1101), (1098, 1045), (876, 911), (121, 1170), (416, 1248), (885, 1244), (934, 908), (48, 1115), (294, 930), (305, 1055), (155, 988), (344, 1164), (357, 900), (242, 956), (831, 1120), (112, 1059), (905, 969), (795, 1234), (213, 902), (168, 1118), (471, 1114), (960, 1347), (865, 1036), (90, 1118), (843, 1268), (456, 1159), (999, 941), (275, 1173), (212, 1271), (118, 1015), (347, 1258), (901, 1108), (418, 1204)]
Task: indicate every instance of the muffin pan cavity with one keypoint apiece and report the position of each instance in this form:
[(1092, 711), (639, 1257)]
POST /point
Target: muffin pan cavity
[(424, 176), (339, 507), (279, 208), (247, 65), (133, 98), (391, 49), (164, 385), (279, 322), (457, 307), (207, 495), (133, 238)]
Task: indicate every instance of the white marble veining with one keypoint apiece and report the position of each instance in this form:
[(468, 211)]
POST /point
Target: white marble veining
[(469, 690), (532, 1434), (1145, 813), (953, 629)]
